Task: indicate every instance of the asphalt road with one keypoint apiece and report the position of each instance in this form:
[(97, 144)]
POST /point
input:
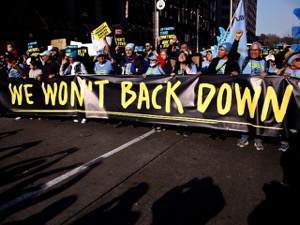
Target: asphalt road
[(61, 172)]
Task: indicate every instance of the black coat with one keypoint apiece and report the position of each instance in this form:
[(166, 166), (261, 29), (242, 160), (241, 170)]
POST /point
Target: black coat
[(231, 64)]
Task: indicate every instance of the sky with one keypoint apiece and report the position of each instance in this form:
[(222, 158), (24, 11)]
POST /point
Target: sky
[(276, 17)]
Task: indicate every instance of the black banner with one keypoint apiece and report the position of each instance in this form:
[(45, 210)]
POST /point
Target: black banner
[(245, 103)]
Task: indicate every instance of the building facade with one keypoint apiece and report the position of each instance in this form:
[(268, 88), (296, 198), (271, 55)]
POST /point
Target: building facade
[(195, 21)]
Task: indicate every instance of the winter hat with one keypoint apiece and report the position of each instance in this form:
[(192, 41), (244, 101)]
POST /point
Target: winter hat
[(73, 54), (226, 45), (292, 57), (130, 45)]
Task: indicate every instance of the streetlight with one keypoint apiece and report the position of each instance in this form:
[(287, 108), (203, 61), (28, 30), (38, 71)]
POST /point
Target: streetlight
[(160, 4)]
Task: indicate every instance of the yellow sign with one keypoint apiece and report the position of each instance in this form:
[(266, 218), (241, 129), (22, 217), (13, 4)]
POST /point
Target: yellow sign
[(101, 31), (121, 42)]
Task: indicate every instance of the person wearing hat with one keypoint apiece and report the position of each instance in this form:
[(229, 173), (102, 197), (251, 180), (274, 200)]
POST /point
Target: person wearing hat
[(291, 65), (14, 69), (271, 65), (156, 65), (130, 63), (103, 66), (139, 51), (225, 61), (156, 68), (72, 66), (56, 55), (291, 69), (50, 68)]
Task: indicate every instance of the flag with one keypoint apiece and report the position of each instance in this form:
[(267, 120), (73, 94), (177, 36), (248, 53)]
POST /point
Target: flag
[(239, 24)]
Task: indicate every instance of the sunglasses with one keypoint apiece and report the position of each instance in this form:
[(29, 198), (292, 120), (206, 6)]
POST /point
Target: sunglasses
[(297, 59)]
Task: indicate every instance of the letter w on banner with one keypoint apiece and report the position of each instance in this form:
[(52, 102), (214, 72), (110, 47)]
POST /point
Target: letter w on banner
[(239, 24)]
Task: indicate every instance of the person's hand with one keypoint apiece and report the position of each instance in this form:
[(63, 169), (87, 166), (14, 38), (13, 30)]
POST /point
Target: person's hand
[(234, 73), (15, 66), (263, 75), (144, 75), (198, 73), (64, 61), (286, 75), (238, 34), (184, 67), (39, 78)]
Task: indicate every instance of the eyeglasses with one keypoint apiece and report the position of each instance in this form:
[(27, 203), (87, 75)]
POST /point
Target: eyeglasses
[(297, 59)]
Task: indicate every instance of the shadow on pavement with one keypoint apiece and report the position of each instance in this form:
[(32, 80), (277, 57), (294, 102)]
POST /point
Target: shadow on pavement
[(117, 211), (195, 202), (282, 204)]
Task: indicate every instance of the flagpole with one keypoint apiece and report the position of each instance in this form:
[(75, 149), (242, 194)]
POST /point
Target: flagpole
[(229, 26), (230, 13)]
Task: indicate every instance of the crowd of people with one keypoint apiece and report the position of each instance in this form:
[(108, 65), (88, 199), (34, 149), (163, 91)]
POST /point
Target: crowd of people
[(175, 60)]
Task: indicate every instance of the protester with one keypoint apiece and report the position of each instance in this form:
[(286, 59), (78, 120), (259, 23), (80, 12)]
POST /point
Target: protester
[(207, 58), (56, 55), (50, 68), (254, 65), (35, 71), (226, 60), (184, 65), (291, 69), (168, 66), (148, 50), (156, 66), (174, 47), (14, 68), (291, 66), (72, 66), (103, 66), (130, 63), (271, 65)]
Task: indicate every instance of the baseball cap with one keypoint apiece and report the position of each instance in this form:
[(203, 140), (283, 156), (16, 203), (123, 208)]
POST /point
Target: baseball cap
[(153, 57), (100, 53), (270, 57), (47, 53)]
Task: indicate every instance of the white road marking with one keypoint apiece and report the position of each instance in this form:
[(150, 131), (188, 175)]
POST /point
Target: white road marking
[(55, 181)]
